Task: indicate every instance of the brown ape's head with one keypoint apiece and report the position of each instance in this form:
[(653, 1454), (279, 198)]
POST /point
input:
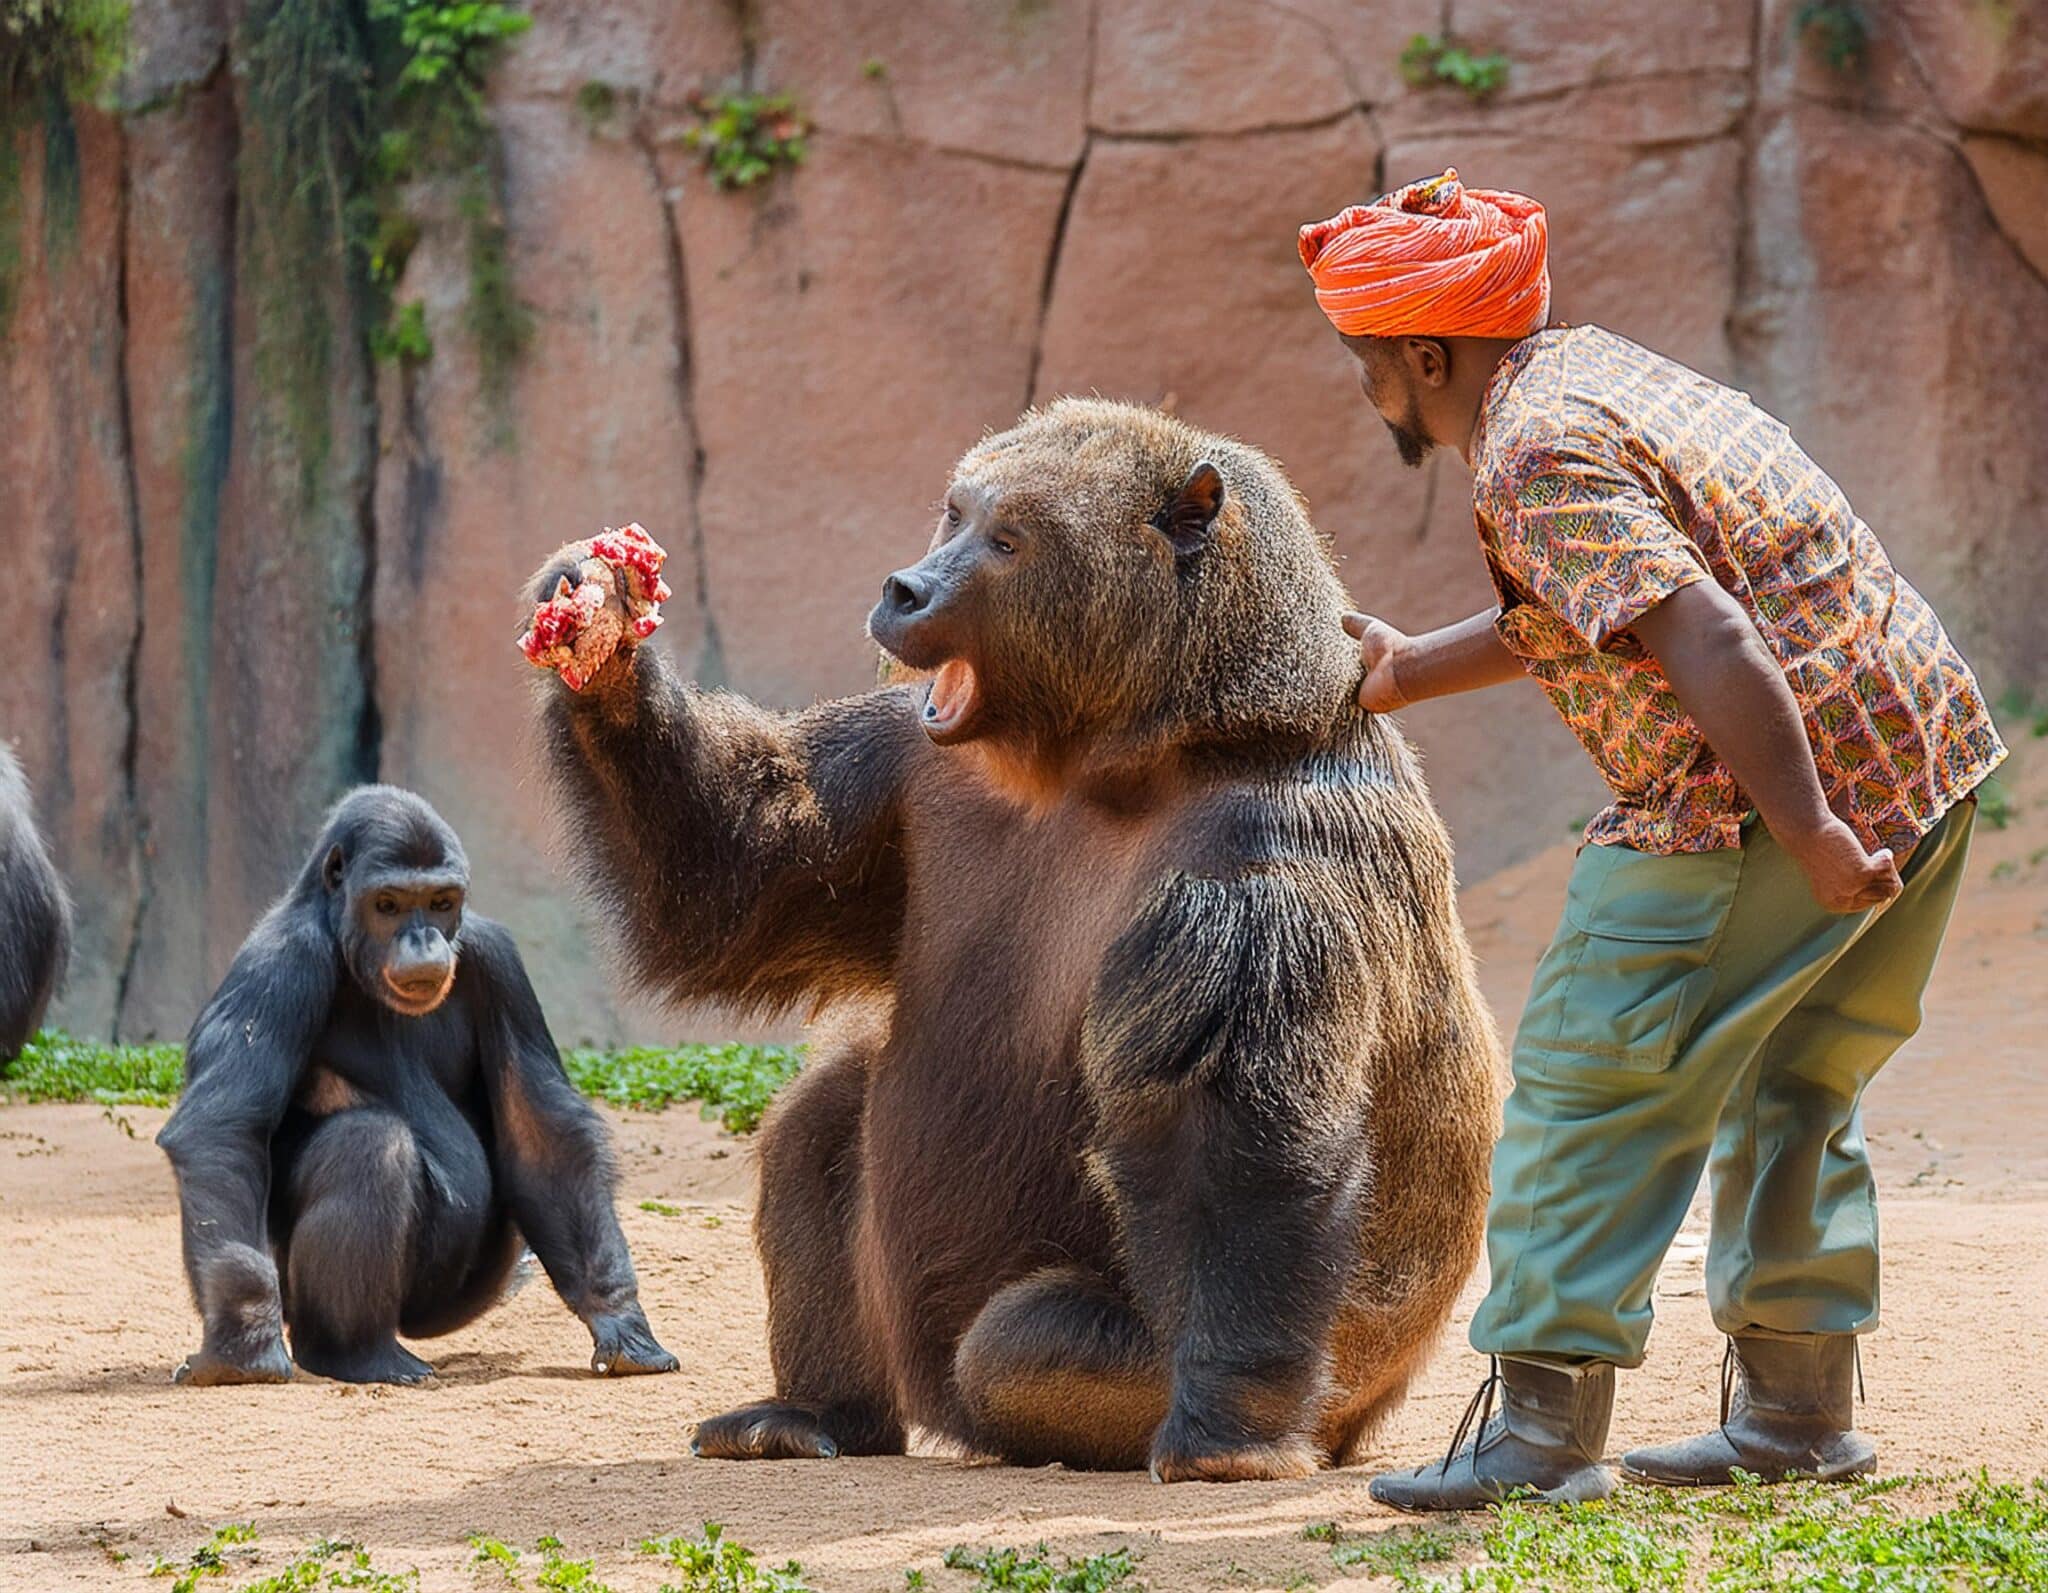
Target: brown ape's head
[(1102, 571)]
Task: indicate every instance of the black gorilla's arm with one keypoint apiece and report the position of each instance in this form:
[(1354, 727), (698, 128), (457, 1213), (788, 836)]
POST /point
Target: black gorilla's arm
[(1218, 1046), (554, 1163), (243, 1062), (750, 856)]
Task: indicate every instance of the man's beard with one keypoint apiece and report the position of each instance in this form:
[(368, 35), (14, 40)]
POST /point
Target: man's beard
[(1412, 442)]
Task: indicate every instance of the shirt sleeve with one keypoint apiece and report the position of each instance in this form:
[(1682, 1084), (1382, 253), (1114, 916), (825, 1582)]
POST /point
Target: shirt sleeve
[(1588, 543)]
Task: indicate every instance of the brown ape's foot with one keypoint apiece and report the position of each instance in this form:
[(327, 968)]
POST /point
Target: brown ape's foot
[(766, 1430), (1279, 1462)]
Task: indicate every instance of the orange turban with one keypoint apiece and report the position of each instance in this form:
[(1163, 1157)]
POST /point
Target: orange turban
[(1434, 259)]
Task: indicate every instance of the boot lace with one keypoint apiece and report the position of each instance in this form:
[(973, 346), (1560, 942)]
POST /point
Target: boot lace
[(1481, 1407), (1728, 1376)]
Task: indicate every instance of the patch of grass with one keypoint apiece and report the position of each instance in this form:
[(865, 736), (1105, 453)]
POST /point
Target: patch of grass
[(714, 1563), (210, 1559), (661, 1208), (733, 1081), (1427, 62), (1398, 1551), (1321, 1532), (494, 1551), (55, 1067), (560, 1574), (1029, 1571), (743, 138), (1813, 1537), (1835, 30), (330, 1563)]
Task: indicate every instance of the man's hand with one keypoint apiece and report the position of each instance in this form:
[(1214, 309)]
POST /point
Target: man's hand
[(1379, 649), (1844, 877)]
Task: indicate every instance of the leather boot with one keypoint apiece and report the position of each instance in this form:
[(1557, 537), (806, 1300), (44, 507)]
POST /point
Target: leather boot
[(1791, 1414), (1546, 1437)]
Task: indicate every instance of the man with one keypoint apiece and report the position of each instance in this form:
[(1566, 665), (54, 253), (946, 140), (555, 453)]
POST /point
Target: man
[(1790, 739)]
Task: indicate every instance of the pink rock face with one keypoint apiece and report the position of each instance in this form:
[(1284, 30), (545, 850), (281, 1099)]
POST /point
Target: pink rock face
[(1004, 200), (1986, 62), (70, 541)]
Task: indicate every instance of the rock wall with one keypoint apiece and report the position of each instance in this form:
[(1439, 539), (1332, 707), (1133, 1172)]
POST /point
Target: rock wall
[(1004, 200)]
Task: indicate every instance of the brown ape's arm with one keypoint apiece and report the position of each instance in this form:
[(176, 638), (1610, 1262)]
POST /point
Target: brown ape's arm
[(748, 856), (553, 1158), (1222, 1047)]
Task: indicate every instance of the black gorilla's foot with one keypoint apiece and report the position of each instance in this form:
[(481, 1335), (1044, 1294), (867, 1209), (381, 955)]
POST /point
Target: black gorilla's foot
[(626, 1346), (217, 1365), (389, 1362), (767, 1430)]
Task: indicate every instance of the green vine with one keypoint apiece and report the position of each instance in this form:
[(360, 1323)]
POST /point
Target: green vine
[(744, 137), (53, 54), (1426, 62), (351, 102)]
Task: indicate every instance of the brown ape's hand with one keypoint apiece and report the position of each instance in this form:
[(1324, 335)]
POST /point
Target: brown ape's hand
[(593, 601)]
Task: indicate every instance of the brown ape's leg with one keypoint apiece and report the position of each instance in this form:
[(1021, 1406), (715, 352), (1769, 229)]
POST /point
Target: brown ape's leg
[(1058, 1366), (832, 1394)]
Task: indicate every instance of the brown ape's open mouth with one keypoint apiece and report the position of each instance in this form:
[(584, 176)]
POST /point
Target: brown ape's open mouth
[(951, 701)]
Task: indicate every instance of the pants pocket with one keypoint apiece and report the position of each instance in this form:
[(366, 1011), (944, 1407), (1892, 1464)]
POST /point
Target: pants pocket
[(1631, 970)]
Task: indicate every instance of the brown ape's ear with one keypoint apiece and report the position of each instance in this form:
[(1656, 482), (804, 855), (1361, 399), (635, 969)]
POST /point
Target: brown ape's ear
[(1185, 522), (332, 867)]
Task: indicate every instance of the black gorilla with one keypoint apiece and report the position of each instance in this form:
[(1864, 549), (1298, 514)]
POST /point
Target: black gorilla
[(35, 915), (374, 1115)]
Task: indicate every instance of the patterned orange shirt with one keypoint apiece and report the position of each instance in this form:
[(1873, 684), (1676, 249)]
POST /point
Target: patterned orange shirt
[(1608, 477)]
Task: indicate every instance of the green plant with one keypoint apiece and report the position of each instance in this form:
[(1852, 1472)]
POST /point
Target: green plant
[(493, 1551), (208, 1560), (332, 1564), (1321, 1532), (404, 339), (596, 101), (53, 54), (743, 137), (714, 1563), (55, 1067), (1427, 61), (1836, 30), (1002, 1570), (560, 1574), (1820, 1538), (734, 1082), (661, 1208), (1397, 1551), (874, 69)]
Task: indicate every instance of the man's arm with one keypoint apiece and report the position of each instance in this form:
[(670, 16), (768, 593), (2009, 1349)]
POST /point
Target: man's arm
[(1726, 678), (1402, 669)]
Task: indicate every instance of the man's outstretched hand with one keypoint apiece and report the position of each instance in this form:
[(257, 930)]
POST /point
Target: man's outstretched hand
[(1379, 649)]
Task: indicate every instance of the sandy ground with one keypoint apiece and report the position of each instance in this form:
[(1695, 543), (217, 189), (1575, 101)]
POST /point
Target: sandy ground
[(102, 1455)]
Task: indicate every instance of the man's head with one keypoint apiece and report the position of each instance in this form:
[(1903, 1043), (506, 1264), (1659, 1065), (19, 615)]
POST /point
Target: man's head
[(1425, 285)]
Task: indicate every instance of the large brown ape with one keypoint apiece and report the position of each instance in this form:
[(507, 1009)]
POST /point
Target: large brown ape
[(1158, 1130)]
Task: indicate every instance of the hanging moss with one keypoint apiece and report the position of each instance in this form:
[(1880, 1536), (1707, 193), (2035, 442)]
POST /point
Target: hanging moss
[(53, 53), (351, 102)]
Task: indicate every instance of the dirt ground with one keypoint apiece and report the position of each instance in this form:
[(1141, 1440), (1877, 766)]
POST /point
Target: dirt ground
[(515, 1438)]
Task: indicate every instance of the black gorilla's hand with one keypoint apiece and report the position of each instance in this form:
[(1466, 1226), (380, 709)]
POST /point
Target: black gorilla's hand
[(626, 1346)]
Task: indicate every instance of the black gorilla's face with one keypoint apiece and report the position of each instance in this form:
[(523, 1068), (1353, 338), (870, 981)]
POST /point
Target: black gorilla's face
[(399, 924)]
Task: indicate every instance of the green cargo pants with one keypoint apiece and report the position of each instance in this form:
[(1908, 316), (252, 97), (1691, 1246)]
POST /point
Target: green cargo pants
[(1696, 1005)]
